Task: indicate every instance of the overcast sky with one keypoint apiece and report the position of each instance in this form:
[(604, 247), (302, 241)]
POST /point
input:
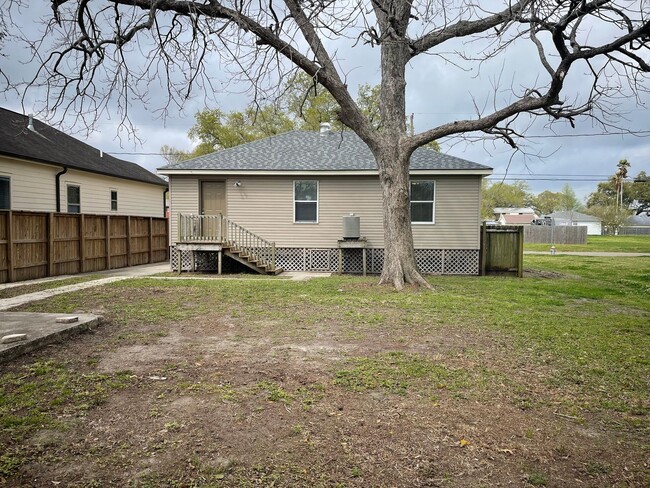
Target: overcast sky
[(437, 92)]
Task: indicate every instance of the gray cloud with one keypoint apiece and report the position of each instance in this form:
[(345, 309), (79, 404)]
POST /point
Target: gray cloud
[(437, 92)]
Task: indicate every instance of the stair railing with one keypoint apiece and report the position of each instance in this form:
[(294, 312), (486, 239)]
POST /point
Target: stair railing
[(250, 244), (221, 230)]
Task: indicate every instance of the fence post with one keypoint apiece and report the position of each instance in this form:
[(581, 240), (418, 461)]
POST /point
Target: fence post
[(82, 243), (128, 240), (150, 240), (273, 256), (520, 252), (108, 242), (11, 271), (484, 243), (50, 244)]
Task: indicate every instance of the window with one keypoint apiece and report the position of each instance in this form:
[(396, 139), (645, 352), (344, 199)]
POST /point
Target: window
[(114, 200), (74, 199), (305, 197), (5, 194), (422, 202)]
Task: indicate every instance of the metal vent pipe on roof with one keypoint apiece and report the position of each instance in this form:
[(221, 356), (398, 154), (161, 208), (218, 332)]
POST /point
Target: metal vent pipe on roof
[(30, 123), (325, 127)]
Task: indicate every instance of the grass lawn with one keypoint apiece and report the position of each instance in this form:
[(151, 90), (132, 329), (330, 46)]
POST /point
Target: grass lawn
[(600, 243), (540, 381)]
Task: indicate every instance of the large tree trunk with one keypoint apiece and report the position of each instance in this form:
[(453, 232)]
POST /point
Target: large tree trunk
[(389, 149), (399, 256)]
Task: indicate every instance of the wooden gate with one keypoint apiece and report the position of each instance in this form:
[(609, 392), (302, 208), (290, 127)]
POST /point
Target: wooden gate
[(502, 250)]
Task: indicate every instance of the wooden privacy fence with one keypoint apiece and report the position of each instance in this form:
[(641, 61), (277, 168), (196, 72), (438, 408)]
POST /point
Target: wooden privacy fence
[(555, 234), (39, 244), (502, 249)]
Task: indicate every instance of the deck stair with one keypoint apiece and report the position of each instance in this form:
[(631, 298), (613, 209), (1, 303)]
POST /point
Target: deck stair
[(229, 238)]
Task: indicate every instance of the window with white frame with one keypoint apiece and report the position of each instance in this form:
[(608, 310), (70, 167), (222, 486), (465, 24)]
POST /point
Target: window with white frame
[(114, 200), (74, 199), (423, 201), (305, 201), (5, 193)]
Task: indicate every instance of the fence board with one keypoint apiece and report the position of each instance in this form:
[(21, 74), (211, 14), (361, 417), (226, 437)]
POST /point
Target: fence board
[(40, 244), (555, 234)]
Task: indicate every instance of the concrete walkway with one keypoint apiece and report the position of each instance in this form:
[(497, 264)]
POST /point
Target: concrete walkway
[(109, 276)]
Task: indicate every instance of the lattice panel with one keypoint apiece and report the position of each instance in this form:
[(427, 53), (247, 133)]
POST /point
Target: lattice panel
[(203, 260), (290, 259), (375, 260), (429, 260), (353, 260), (319, 259), (436, 261), (461, 261)]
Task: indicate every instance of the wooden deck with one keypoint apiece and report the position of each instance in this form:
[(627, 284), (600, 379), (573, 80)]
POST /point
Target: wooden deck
[(217, 233)]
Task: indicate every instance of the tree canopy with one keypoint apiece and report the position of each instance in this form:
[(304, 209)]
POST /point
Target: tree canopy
[(91, 60)]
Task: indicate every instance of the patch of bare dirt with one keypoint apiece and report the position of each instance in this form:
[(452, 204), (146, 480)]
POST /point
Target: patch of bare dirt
[(216, 401)]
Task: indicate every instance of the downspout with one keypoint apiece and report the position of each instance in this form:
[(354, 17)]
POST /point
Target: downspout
[(58, 188)]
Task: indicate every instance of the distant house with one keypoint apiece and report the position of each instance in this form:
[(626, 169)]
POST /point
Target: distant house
[(294, 189), (43, 169), (636, 225), (514, 215), (521, 219), (593, 224)]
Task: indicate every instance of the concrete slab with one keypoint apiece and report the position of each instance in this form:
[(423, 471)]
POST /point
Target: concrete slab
[(41, 329)]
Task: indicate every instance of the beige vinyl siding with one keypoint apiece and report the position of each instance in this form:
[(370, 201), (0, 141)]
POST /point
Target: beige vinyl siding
[(264, 205), (183, 199), (33, 187), (133, 198), (457, 215)]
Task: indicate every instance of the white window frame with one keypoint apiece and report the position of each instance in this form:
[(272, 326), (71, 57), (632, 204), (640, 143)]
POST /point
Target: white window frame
[(8, 180), (308, 222), (113, 190), (432, 202), (67, 197)]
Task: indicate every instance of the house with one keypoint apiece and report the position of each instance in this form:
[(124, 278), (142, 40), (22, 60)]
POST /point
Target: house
[(593, 224), (45, 170), (516, 219), (294, 189), (636, 225), (514, 215)]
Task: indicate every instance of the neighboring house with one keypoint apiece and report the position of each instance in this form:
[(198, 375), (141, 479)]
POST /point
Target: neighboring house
[(516, 219), (42, 169), (593, 224), (636, 225), (295, 188), (498, 211)]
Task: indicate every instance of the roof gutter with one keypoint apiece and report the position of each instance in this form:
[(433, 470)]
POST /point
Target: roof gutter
[(58, 188)]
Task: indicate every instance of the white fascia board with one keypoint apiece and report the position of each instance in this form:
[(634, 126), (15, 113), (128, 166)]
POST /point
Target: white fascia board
[(417, 172)]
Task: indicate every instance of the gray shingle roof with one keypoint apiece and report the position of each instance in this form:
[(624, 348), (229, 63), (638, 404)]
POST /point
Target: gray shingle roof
[(312, 151), (49, 145), (573, 215)]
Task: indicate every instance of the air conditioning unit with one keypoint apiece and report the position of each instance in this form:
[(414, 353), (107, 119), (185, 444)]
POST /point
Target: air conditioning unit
[(351, 227)]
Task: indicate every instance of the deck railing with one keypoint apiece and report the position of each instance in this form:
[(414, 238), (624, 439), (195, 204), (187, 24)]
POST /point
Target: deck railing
[(219, 229)]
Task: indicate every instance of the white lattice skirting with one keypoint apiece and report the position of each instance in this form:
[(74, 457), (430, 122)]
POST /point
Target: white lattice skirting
[(433, 261)]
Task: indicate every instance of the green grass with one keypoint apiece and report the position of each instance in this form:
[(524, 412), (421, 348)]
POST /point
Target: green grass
[(398, 372), (586, 328), (600, 244)]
